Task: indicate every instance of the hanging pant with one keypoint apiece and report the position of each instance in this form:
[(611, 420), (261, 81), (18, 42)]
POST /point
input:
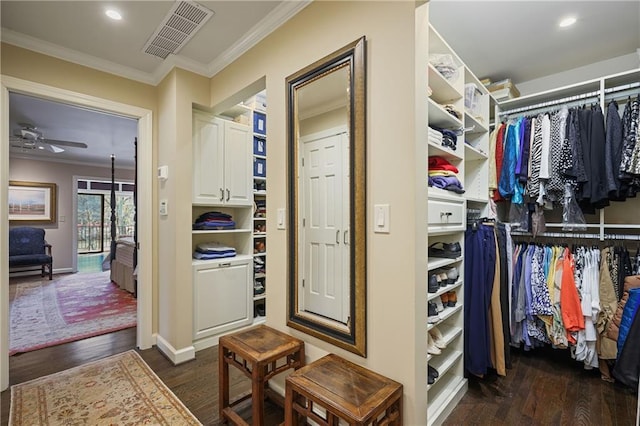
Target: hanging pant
[(480, 259)]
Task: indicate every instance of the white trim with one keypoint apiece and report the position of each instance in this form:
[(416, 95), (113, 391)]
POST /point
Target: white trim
[(50, 49), (278, 16), (175, 356), (146, 174)]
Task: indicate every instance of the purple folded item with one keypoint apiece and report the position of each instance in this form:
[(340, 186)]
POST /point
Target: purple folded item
[(449, 183)]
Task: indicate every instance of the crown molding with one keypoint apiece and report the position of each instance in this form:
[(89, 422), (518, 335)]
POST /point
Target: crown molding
[(278, 16), (282, 13), (50, 49)]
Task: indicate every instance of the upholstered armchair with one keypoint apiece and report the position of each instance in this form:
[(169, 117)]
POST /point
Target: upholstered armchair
[(27, 247)]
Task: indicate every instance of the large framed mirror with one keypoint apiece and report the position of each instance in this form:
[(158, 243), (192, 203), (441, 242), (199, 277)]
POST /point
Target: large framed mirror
[(326, 198)]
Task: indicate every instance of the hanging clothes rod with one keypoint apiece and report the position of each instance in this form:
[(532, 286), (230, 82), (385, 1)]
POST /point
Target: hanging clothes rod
[(593, 94), (578, 235)]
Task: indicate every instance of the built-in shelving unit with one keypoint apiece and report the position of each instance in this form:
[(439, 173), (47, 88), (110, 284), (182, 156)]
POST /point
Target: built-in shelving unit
[(459, 103)]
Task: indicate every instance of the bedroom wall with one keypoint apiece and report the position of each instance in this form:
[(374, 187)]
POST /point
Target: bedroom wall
[(60, 234)]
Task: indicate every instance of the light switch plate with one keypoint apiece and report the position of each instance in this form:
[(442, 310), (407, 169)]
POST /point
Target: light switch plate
[(381, 218), (281, 219)]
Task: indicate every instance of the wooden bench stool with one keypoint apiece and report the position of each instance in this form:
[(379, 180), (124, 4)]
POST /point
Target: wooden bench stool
[(345, 390), (260, 353)]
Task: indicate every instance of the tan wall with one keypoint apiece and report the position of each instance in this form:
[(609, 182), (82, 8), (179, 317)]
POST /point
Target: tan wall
[(60, 234), (393, 320)]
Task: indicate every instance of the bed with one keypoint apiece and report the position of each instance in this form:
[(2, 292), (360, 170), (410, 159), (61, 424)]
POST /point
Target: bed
[(122, 270)]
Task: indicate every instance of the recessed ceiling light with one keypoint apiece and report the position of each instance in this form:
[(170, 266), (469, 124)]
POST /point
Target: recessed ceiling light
[(567, 22), (113, 14)]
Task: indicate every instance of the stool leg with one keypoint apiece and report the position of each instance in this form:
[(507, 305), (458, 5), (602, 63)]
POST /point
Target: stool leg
[(257, 394), (290, 417), (223, 382)]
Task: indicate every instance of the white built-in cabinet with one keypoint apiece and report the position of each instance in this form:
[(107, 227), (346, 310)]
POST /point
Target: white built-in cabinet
[(222, 182), (447, 212), (223, 292), (222, 161)]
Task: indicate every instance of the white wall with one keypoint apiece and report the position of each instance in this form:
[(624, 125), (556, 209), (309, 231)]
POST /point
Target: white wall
[(577, 75), (60, 233)]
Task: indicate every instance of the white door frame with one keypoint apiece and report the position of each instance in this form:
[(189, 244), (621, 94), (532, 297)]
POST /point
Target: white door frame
[(144, 338)]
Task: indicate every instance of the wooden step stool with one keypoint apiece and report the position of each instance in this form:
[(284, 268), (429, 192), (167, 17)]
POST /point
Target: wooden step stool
[(345, 390), (260, 353)]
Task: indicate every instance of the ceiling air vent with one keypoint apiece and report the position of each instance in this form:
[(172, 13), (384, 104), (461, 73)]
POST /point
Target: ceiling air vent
[(181, 23)]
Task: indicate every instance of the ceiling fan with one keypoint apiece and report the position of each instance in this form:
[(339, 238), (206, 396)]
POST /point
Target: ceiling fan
[(28, 137)]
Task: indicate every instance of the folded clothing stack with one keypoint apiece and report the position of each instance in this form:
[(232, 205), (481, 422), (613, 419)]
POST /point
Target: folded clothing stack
[(449, 137), (442, 174), (435, 136), (214, 220), (213, 250)]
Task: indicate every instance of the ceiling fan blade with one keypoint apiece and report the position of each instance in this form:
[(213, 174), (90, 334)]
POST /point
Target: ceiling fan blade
[(55, 149), (64, 143)]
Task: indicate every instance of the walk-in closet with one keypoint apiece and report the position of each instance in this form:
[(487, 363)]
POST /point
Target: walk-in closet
[(534, 235)]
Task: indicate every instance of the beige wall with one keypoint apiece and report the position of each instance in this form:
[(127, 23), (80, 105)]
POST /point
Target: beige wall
[(394, 319), (60, 234)]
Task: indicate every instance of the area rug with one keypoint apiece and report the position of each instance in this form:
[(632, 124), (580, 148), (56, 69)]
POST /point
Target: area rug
[(70, 307), (118, 390)]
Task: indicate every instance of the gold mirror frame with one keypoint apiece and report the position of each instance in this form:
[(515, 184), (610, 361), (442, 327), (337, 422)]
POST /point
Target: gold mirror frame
[(352, 335)]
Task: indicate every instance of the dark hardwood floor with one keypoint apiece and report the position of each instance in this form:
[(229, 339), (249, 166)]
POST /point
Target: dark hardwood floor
[(544, 387), (194, 382)]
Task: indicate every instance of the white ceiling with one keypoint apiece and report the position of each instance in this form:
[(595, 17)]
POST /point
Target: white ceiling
[(521, 39), (497, 39)]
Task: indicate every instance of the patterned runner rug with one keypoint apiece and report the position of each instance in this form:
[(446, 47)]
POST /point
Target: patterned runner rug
[(118, 390), (70, 307)]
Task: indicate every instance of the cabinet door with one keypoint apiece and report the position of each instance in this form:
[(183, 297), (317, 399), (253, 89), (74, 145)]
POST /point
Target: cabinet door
[(238, 164), (208, 159), (223, 297)]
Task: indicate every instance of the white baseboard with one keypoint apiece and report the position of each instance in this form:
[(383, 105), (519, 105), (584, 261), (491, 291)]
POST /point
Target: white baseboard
[(174, 355)]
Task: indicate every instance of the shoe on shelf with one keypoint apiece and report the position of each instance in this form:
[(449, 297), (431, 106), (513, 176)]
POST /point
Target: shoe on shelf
[(431, 347), (438, 338), (258, 288), (452, 298), (444, 299), (443, 279), (432, 311), (434, 283), (452, 275), (439, 305), (446, 250), (433, 372)]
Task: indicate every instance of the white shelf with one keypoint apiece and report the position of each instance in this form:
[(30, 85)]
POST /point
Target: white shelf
[(259, 218), (236, 110), (441, 262), (473, 124), (443, 194), (260, 275), (259, 234), (435, 149), (264, 253), (478, 199), (445, 289), (449, 333), (472, 153), (443, 363), (262, 157), (442, 89), (220, 231), (259, 178), (438, 116), (443, 397), (259, 320), (196, 262), (445, 315), (260, 296)]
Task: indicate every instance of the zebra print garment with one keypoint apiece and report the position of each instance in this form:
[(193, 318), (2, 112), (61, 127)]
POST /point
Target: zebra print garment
[(555, 186), (535, 156), (631, 149)]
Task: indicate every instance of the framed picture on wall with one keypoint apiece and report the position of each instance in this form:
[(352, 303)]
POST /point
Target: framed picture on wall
[(32, 202)]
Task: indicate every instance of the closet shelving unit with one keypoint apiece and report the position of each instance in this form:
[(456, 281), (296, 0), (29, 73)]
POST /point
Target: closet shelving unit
[(610, 220), (446, 212), (258, 122)]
